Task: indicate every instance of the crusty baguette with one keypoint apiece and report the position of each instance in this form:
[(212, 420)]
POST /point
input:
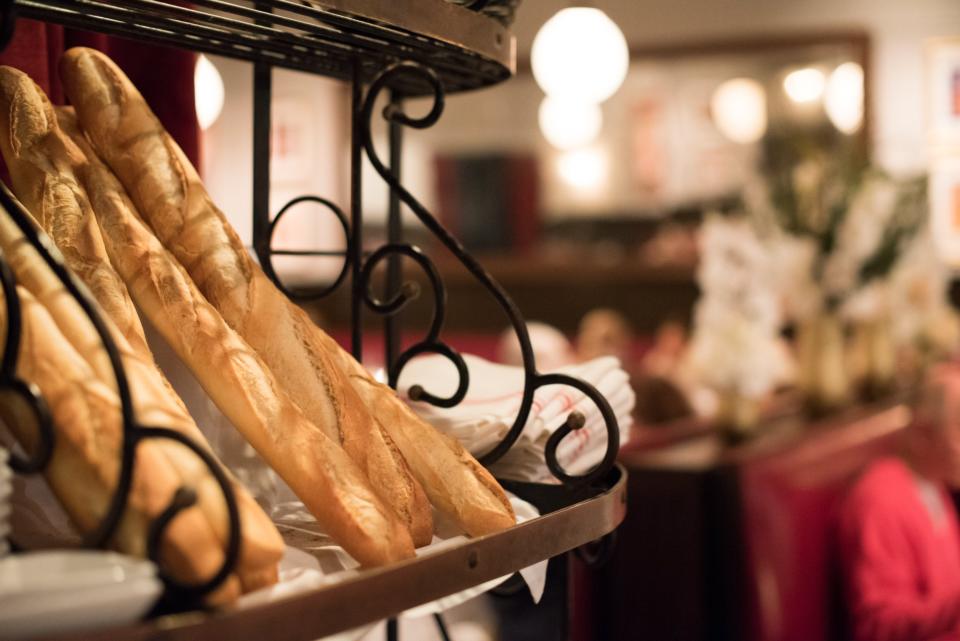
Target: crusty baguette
[(278, 330), (84, 468), (240, 384), (457, 484), (172, 198), (44, 164), (261, 545), (238, 381)]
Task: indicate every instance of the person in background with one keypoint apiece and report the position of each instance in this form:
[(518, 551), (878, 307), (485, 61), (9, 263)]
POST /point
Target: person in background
[(898, 533), (665, 355), (605, 332), (551, 349)]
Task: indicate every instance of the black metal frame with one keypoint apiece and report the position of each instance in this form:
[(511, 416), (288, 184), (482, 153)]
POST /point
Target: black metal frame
[(363, 265), (374, 57)]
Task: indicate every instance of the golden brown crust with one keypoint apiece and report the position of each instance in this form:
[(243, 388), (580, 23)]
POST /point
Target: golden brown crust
[(46, 157), (239, 382), (171, 197), (85, 464), (456, 483)]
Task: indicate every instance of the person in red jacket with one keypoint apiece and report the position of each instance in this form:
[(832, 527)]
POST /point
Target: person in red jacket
[(899, 539)]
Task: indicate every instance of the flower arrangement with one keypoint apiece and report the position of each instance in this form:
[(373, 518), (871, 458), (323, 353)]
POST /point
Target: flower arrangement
[(830, 248), (847, 228), (735, 351)]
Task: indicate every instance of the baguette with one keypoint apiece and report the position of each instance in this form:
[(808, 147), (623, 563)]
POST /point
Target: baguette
[(238, 381), (84, 467), (170, 195), (457, 484), (277, 329), (43, 163)]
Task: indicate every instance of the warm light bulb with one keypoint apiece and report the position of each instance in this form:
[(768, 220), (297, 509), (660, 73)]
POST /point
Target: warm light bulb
[(844, 98), (583, 169), (208, 92), (804, 85), (567, 124), (580, 54), (739, 109)]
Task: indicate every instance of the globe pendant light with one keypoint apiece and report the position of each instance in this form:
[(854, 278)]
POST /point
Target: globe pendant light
[(580, 54), (567, 124)]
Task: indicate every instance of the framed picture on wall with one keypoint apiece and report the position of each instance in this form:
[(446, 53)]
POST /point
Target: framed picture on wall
[(943, 93), (945, 208)]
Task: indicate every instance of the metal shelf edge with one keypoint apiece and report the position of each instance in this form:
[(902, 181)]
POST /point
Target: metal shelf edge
[(438, 20), (377, 594)]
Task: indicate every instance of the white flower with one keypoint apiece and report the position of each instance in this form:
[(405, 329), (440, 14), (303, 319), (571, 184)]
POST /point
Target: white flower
[(735, 345)]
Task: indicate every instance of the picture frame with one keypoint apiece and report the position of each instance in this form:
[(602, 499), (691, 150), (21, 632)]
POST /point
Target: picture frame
[(945, 208), (943, 95)]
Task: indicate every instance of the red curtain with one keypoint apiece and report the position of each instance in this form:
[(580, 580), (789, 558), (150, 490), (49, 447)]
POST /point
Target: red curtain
[(163, 75)]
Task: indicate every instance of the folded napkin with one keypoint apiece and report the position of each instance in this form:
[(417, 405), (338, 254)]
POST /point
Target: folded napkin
[(493, 399)]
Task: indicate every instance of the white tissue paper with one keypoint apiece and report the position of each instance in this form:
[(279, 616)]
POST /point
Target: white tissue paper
[(493, 399)]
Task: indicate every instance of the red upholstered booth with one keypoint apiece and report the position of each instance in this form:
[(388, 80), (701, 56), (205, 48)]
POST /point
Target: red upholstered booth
[(789, 500), (734, 543)]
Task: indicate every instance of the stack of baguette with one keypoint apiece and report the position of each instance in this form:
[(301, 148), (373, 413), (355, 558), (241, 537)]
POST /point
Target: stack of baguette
[(135, 222)]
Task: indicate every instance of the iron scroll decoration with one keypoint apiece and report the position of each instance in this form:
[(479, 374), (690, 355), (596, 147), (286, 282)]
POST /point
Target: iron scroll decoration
[(177, 594), (431, 343)]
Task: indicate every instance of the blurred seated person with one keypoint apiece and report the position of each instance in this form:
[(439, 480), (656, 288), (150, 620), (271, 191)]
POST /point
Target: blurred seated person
[(605, 332), (665, 355), (659, 401), (899, 542), (551, 348)]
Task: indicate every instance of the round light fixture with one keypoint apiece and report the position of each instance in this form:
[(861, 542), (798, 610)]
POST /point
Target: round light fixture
[(567, 124), (580, 54), (208, 92), (804, 85), (739, 110), (582, 169), (844, 98)]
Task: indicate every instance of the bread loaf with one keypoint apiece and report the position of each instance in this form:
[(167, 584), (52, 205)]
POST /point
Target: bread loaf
[(237, 380), (44, 164), (171, 197), (172, 200), (456, 483), (84, 468)]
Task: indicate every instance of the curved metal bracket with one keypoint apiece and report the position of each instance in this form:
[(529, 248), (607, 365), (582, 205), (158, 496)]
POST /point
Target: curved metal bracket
[(533, 380), (266, 257)]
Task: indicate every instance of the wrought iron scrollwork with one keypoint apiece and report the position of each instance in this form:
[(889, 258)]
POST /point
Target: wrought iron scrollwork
[(132, 432), (15, 390), (266, 257), (432, 343), (533, 380)]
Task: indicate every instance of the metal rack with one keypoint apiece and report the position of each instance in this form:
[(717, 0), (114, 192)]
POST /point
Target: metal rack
[(402, 48)]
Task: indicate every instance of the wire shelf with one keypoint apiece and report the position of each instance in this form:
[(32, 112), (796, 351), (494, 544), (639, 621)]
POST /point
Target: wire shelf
[(467, 50)]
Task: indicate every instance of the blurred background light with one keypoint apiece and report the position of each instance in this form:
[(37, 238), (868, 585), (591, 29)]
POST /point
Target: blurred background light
[(844, 97), (739, 110), (580, 53), (568, 124), (583, 169), (804, 85), (208, 92)]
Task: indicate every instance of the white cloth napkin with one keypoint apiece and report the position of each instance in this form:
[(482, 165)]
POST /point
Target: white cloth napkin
[(493, 399)]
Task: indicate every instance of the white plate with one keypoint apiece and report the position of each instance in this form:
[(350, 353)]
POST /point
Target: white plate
[(71, 570), (43, 593), (77, 611)]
